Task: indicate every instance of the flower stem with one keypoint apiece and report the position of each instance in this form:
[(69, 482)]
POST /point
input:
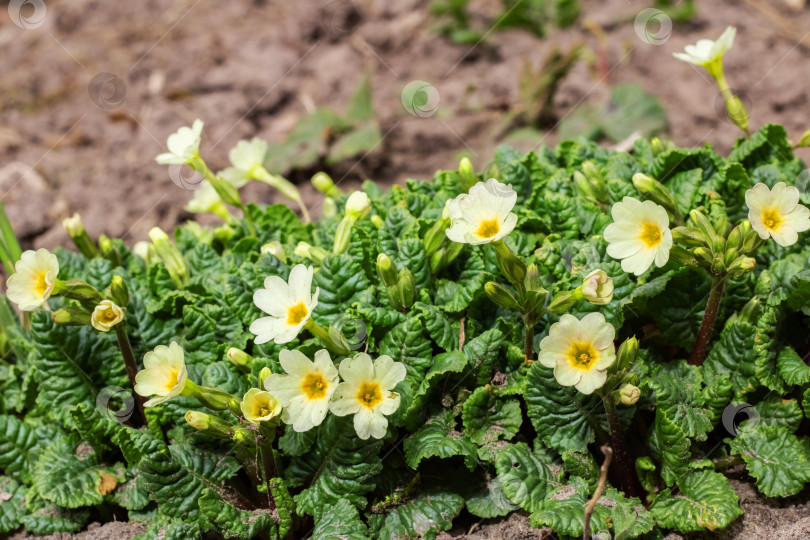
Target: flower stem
[(529, 344), (704, 335), (269, 469), (132, 370), (627, 477)]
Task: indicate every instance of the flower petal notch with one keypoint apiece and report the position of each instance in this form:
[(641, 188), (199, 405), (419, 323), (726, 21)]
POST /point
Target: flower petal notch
[(366, 393), (289, 305), (306, 389), (776, 213), (484, 215), (639, 235)]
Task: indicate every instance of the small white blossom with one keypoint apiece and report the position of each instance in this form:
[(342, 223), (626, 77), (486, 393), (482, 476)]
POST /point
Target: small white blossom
[(639, 235), (484, 215), (33, 280), (288, 304), (164, 374), (597, 288), (106, 315), (183, 145), (706, 51), (776, 213)]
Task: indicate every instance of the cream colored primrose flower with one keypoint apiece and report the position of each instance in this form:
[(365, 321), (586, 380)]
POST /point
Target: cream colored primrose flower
[(106, 315), (706, 51), (639, 235), (579, 351), (306, 389), (183, 145), (260, 406), (33, 280), (366, 393), (289, 305), (484, 215), (245, 158), (164, 374), (358, 205), (597, 288), (776, 213)]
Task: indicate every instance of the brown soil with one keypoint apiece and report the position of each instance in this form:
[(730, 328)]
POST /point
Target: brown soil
[(249, 67), (114, 530)]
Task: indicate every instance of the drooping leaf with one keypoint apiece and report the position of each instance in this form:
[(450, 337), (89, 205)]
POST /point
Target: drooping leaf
[(439, 438), (421, 517), (702, 500), (524, 478), (778, 460)]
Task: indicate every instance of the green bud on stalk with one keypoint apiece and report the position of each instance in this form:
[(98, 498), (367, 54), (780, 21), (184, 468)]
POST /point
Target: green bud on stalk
[(501, 295), (275, 249), (625, 356), (239, 358), (406, 287), (75, 229), (657, 191), (71, 316), (172, 258), (210, 425), (386, 270), (323, 183), (466, 173), (119, 292)]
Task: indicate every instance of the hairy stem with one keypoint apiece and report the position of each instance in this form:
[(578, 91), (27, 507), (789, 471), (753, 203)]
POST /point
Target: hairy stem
[(628, 479), (704, 336), (132, 370), (269, 469), (529, 343)]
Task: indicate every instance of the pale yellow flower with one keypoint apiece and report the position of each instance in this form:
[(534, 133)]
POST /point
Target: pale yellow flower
[(366, 393), (289, 305), (706, 51), (33, 280), (639, 235), (579, 351), (106, 315), (597, 288), (358, 205), (260, 406), (776, 213), (306, 389), (163, 375), (183, 145), (484, 215)]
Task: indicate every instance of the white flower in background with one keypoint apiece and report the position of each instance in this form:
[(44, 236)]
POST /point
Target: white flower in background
[(306, 389), (358, 205), (164, 374), (597, 288), (289, 305), (184, 145), (776, 213), (106, 315), (579, 351), (260, 406), (639, 235), (706, 51), (484, 215), (366, 393), (205, 199), (33, 279), (246, 157)]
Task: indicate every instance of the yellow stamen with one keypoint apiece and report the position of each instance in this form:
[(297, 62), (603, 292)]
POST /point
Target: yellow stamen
[(582, 356), (650, 234), (314, 386), (369, 395), (488, 228), (40, 283), (171, 380), (260, 410), (297, 313), (771, 219), (109, 315)]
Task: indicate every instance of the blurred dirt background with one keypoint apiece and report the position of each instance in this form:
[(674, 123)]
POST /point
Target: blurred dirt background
[(248, 68)]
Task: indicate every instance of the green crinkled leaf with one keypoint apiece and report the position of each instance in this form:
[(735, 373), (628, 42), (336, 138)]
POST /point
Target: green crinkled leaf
[(581, 463), (439, 438), (342, 282), (420, 517), (524, 478), (786, 280), (167, 528), (672, 448), (792, 368), (339, 466), (454, 295), (12, 509), (564, 512), (412, 255), (733, 354), (682, 400), (232, 522), (43, 517), (408, 344), (678, 311), (702, 500), (278, 222), (131, 494), (70, 474), (684, 187), (766, 345), (488, 418), (341, 520), (20, 444), (769, 142), (294, 443), (443, 365), (777, 411), (177, 475), (558, 413), (778, 460), (489, 501), (483, 352), (441, 328)]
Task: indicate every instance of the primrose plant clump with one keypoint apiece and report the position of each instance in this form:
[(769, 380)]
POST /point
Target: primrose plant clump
[(587, 336)]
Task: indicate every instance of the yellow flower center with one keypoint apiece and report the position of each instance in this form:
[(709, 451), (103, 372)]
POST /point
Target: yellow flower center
[(771, 219), (369, 395), (650, 234), (488, 228), (582, 356), (40, 283), (261, 408), (297, 313), (314, 386), (171, 380), (109, 315)]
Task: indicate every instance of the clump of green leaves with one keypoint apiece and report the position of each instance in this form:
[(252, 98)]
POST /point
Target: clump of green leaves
[(482, 428)]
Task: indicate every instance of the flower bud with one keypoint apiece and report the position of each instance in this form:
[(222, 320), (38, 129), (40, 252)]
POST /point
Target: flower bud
[(736, 111), (226, 190), (172, 258), (307, 251), (260, 406), (210, 425), (584, 188), (597, 288), (75, 229), (682, 256), (343, 234), (71, 316), (466, 173), (325, 185), (562, 301), (511, 266), (626, 355), (76, 289), (690, 236), (596, 180), (239, 358), (532, 281), (501, 295), (386, 270), (750, 311), (142, 249), (629, 394), (805, 140), (377, 221), (735, 239), (657, 191), (106, 315), (264, 374), (751, 241), (741, 265), (407, 287), (108, 250), (358, 205), (119, 292), (329, 208), (198, 420), (275, 249)]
